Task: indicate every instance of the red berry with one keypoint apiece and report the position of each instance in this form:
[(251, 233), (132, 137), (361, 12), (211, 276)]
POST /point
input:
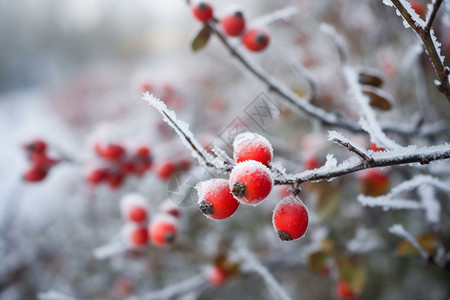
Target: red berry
[(285, 191), (202, 11), (166, 169), (343, 291), (216, 275), (256, 40), (115, 179), (233, 24), (98, 175), (36, 146), (215, 199), (134, 207), (184, 164), (41, 160), (168, 207), (290, 218), (250, 182), (163, 230), (374, 182), (252, 146), (418, 7), (311, 163), (35, 174), (375, 148), (128, 167), (143, 151), (137, 235), (113, 152)]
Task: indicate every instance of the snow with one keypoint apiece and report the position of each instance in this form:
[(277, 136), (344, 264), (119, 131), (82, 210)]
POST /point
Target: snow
[(389, 203), (283, 14), (337, 136), (431, 204), (437, 46)]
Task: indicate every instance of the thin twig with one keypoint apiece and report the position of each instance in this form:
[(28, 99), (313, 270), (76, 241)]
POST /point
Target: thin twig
[(432, 16), (349, 145)]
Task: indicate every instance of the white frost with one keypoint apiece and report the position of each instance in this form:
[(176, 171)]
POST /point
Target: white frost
[(400, 231)]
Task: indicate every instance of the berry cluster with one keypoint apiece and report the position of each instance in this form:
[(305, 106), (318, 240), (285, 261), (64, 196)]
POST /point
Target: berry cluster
[(40, 161), (234, 25), (162, 230), (117, 164), (250, 183)]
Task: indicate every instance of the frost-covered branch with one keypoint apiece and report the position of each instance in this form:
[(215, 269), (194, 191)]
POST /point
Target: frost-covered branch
[(338, 138), (278, 15), (252, 263), (429, 40), (309, 79), (406, 155)]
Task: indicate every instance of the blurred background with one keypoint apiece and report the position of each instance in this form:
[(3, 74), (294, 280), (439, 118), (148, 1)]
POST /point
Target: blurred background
[(72, 73)]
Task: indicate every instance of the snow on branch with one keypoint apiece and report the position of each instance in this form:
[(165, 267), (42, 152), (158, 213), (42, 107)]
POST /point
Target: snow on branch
[(425, 32), (252, 263), (283, 14), (180, 288), (426, 188), (405, 155), (339, 139), (182, 129), (400, 231)]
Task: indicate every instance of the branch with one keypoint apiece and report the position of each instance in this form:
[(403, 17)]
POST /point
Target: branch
[(410, 154), (339, 139), (426, 34), (400, 231)]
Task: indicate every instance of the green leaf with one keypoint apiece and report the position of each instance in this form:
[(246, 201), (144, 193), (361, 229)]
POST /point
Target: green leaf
[(201, 39)]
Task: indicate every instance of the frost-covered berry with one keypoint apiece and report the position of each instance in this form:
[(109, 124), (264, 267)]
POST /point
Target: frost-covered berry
[(250, 182), (290, 218), (113, 152), (252, 146), (233, 24), (215, 199), (216, 275), (163, 230), (202, 11), (343, 291), (170, 208), (137, 235), (134, 208), (256, 39), (35, 174)]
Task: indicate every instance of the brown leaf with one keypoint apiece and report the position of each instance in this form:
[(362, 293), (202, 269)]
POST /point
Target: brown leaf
[(317, 261), (378, 98), (201, 39), (370, 76)]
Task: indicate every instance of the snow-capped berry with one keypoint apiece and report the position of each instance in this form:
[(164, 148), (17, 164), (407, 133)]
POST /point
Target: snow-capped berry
[(168, 207), (252, 146), (202, 11), (290, 218), (343, 291), (256, 39), (233, 24), (137, 235), (97, 175), (166, 169), (215, 199), (35, 174), (250, 182), (163, 230), (134, 207), (216, 275), (36, 146)]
